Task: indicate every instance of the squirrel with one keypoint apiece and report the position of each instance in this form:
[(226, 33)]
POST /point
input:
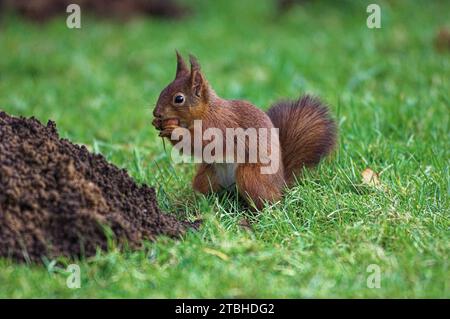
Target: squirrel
[(306, 134)]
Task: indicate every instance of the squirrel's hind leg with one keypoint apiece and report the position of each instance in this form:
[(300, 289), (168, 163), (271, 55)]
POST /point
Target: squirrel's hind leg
[(205, 180), (257, 187)]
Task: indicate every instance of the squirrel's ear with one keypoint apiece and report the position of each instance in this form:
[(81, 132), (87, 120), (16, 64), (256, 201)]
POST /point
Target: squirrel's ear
[(197, 79), (181, 65)]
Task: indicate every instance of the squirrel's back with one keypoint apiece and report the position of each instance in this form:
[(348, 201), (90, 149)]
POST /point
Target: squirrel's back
[(306, 130)]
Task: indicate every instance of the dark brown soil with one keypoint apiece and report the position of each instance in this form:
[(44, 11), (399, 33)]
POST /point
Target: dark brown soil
[(56, 197)]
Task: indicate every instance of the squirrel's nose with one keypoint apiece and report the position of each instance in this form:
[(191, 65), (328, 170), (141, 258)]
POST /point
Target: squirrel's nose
[(158, 111)]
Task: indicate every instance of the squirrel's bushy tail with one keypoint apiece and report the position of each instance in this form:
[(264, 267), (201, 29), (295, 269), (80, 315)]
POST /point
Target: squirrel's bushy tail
[(307, 133)]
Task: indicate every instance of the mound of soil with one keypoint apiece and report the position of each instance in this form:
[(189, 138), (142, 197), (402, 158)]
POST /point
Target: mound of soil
[(56, 198)]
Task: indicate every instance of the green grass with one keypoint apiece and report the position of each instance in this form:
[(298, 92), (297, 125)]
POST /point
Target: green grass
[(388, 89)]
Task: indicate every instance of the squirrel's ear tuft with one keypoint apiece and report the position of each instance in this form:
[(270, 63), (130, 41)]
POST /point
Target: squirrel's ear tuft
[(198, 82), (181, 65), (194, 63)]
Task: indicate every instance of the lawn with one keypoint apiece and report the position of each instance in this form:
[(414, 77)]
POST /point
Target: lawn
[(388, 89)]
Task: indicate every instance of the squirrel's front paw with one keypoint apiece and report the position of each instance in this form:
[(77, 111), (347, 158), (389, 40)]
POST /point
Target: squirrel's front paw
[(168, 126), (167, 131)]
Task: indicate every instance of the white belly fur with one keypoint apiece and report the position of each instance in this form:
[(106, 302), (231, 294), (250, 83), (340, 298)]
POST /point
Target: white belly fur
[(226, 173)]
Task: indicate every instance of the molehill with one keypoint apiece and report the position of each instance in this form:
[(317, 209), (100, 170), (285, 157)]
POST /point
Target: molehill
[(57, 198)]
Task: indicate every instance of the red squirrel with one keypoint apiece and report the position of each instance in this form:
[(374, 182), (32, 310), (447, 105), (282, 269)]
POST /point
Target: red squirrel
[(306, 133)]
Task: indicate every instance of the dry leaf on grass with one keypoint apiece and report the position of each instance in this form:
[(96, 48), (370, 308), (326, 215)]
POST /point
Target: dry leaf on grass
[(370, 178), (245, 223)]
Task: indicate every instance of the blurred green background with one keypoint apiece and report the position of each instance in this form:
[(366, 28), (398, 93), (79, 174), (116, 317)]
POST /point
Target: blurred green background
[(387, 88)]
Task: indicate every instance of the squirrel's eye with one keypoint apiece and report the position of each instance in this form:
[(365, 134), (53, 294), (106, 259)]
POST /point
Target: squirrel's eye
[(178, 99)]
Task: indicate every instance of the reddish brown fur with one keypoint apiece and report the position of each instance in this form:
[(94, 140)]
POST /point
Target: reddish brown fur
[(306, 132), (205, 180), (256, 187)]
